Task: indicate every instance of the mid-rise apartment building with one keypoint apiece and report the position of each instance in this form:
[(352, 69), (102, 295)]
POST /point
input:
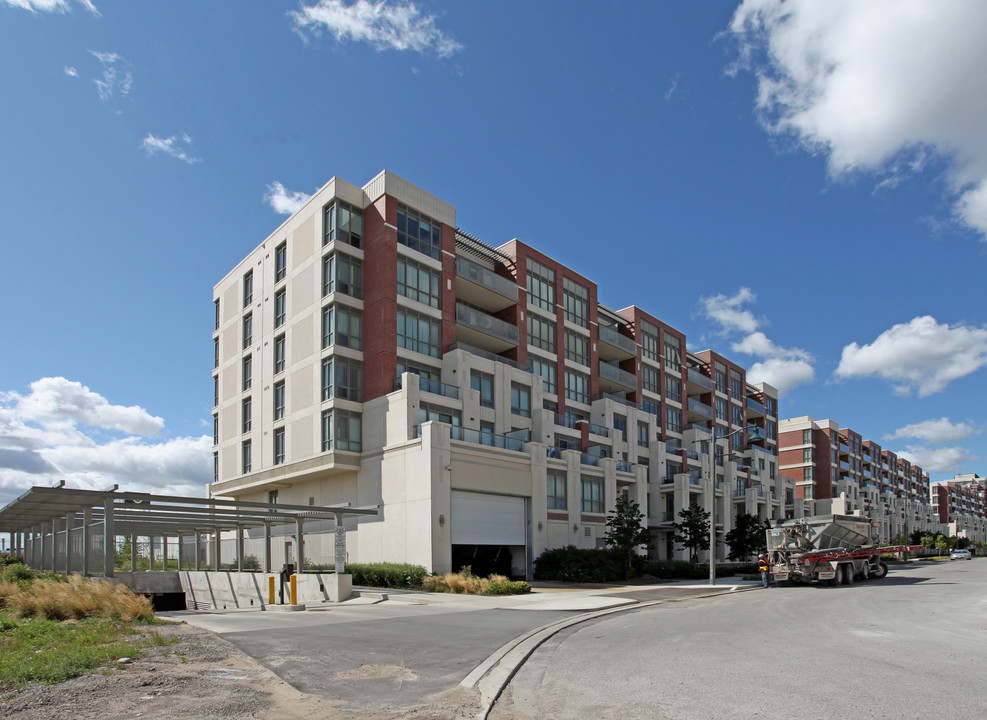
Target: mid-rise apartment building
[(841, 472), (370, 352), (961, 505)]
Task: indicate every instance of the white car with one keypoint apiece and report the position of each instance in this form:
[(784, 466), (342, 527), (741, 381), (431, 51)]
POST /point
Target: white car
[(960, 555)]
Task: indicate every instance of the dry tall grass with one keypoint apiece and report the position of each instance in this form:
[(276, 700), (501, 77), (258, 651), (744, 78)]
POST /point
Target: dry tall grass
[(77, 598), (461, 582)]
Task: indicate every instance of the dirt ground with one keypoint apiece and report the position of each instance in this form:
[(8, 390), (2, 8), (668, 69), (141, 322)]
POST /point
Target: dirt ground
[(201, 677)]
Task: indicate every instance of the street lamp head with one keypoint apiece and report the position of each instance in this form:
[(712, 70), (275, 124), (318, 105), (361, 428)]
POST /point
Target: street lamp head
[(755, 436)]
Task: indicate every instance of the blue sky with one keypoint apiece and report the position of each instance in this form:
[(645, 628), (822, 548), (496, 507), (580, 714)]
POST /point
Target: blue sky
[(801, 186)]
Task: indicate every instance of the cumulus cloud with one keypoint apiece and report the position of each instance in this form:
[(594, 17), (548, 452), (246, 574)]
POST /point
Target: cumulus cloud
[(784, 368), (117, 78), (922, 355), (60, 6), (62, 430), (172, 146), (71, 71), (398, 25), (876, 86), (938, 432), (944, 459), (284, 201)]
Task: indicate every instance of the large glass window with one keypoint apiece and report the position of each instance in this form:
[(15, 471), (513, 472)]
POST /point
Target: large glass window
[(721, 377), (650, 379), (592, 495), (279, 354), (643, 438), (738, 415), (341, 430), (279, 400), (484, 384), (342, 325), (248, 330), (342, 378), (429, 373), (280, 307), (673, 351), (419, 333), (215, 429), (721, 409), (418, 282), (557, 489), (279, 445), (541, 333), (281, 261), (576, 386), (431, 413), (215, 352), (246, 414), (576, 347), (673, 419), (248, 372), (541, 285), (736, 384), (419, 232), (649, 341), (520, 400), (576, 299), (246, 459), (673, 388), (344, 223), (342, 273), (216, 303), (548, 372), (248, 288)]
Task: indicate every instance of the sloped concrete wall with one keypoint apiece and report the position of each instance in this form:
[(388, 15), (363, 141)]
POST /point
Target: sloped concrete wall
[(233, 590)]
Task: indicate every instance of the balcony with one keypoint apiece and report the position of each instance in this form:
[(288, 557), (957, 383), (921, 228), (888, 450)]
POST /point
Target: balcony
[(624, 466), (432, 386), (699, 410), (668, 516), (697, 383), (614, 346), (598, 430), (613, 379), (484, 330), (477, 437), (482, 287), (567, 422), (587, 459), (754, 408)]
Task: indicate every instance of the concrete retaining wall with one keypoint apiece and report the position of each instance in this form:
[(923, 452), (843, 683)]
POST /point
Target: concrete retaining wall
[(232, 590)]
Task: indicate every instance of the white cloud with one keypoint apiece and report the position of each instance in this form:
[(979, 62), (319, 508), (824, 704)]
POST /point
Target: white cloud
[(284, 201), (50, 5), (920, 355), (71, 71), (61, 430), (936, 431), (945, 459), (170, 146), (117, 78), (876, 86), (386, 25), (784, 368)]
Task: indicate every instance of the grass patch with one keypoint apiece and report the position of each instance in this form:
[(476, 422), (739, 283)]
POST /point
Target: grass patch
[(466, 583)]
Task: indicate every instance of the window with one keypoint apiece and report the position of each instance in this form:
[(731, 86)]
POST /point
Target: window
[(576, 348), (650, 378), (721, 377), (673, 388), (541, 333), (576, 386), (215, 429), (215, 467), (807, 455), (279, 400), (592, 495), (642, 434), (428, 413), (486, 433), (215, 390), (419, 333), (280, 261), (342, 273), (341, 430), (342, 378), (279, 350), (280, 307), (483, 383), (548, 372), (418, 282), (419, 232), (649, 341), (342, 325), (721, 409), (216, 303), (429, 373), (246, 415), (771, 470), (738, 415), (673, 419), (772, 406), (736, 384), (557, 489), (520, 400), (772, 430), (272, 497), (278, 446), (650, 406), (806, 474), (541, 285), (806, 437), (248, 330), (248, 288), (576, 300), (248, 371), (673, 352), (343, 222), (620, 426), (215, 352), (245, 456)]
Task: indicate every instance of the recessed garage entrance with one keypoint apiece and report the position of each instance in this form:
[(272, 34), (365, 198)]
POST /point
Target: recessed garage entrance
[(489, 533)]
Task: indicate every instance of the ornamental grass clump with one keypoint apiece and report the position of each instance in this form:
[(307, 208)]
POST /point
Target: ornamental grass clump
[(78, 598)]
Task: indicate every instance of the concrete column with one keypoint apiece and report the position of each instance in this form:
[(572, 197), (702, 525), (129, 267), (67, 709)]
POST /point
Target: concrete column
[(87, 517), (53, 546), (216, 545), (198, 551), (68, 542), (109, 538), (181, 553), (239, 548), (133, 553), (150, 551), (267, 547), (339, 543), (301, 545)]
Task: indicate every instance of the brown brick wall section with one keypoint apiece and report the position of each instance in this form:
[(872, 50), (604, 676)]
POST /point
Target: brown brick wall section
[(379, 298)]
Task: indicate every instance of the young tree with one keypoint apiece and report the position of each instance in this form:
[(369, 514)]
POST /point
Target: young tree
[(624, 529), (928, 541), (942, 544), (747, 537), (693, 531)]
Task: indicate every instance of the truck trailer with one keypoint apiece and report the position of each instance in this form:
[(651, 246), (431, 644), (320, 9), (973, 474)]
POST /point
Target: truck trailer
[(835, 549)]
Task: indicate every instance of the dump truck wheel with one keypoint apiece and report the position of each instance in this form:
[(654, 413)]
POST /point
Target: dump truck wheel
[(882, 569), (848, 573)]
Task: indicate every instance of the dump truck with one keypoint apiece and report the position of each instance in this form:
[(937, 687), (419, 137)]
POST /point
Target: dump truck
[(836, 549)]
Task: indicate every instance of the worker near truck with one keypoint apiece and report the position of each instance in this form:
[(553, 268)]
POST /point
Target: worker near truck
[(762, 565)]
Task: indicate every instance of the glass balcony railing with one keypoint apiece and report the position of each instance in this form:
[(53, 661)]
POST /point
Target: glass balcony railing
[(700, 408), (486, 278), (615, 374), (567, 422), (479, 352), (625, 466), (485, 323), (478, 437), (432, 386), (755, 406), (697, 378), (610, 335), (587, 459), (598, 430)]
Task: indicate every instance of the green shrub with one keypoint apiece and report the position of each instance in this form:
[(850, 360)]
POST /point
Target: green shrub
[(390, 575), (511, 587), (572, 564)]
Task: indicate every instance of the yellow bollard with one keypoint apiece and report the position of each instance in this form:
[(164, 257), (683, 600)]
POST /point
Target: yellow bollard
[(294, 590), (270, 590)]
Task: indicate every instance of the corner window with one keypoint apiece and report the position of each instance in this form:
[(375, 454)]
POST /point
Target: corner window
[(576, 299), (248, 288), (341, 430), (541, 285), (342, 325), (342, 378), (342, 273), (343, 223), (419, 232), (281, 261)]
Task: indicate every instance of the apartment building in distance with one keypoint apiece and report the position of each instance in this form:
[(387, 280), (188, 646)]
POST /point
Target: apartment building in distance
[(370, 352), (961, 504), (841, 472)]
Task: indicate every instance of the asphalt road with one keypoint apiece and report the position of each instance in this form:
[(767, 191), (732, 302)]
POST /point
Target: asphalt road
[(913, 645)]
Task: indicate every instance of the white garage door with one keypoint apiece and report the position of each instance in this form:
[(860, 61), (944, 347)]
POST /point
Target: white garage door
[(479, 519)]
